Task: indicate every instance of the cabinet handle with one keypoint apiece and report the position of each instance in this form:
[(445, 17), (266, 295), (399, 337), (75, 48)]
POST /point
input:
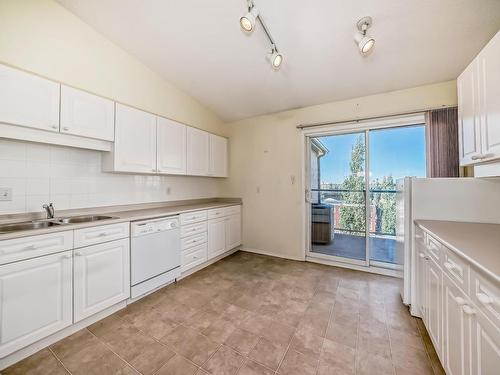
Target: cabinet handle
[(65, 128), (54, 126), (460, 301), (421, 255), (78, 253), (468, 310), (30, 247), (67, 256), (484, 298)]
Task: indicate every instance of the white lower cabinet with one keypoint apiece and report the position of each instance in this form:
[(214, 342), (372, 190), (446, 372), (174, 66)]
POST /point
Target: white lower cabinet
[(216, 237), (101, 277), (485, 345), (433, 308), (233, 231), (35, 299)]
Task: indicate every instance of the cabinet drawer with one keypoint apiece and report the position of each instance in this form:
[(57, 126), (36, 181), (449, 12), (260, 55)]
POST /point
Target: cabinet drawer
[(216, 212), (35, 246), (103, 233), (194, 257), (233, 210), (191, 241), (193, 217), (486, 295), (435, 249), (191, 230), (457, 269)]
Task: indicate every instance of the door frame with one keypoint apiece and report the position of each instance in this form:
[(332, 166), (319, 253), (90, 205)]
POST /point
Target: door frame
[(359, 126)]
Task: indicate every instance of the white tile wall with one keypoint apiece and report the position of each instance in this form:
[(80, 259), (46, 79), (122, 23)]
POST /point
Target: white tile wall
[(72, 178)]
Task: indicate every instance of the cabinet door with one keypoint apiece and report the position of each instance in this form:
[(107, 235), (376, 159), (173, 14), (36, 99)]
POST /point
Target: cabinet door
[(457, 350), (35, 300), (218, 156), (233, 231), (421, 282), (486, 345), (171, 145), (135, 140), (28, 100), (87, 115), (434, 303), (489, 67), (216, 237), (469, 133), (101, 277), (197, 152)]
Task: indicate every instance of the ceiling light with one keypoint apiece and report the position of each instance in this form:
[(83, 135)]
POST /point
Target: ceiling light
[(247, 22), (276, 58), (365, 42)]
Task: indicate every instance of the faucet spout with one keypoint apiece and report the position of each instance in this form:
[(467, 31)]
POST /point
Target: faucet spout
[(50, 210)]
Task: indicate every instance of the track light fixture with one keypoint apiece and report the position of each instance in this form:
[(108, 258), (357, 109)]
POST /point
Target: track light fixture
[(247, 23), (365, 42)]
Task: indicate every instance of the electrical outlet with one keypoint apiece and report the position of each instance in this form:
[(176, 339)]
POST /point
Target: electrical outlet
[(5, 194)]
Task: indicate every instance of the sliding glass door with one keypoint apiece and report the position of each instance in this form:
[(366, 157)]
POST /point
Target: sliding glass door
[(352, 211)]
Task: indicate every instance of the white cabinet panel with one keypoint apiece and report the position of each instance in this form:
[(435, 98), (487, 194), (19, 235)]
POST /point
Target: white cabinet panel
[(28, 100), (197, 152), (87, 115), (171, 144), (102, 233), (434, 303), (135, 142), (218, 156), (35, 300), (486, 346), (101, 277), (194, 257), (193, 217), (216, 237), (233, 231), (422, 260)]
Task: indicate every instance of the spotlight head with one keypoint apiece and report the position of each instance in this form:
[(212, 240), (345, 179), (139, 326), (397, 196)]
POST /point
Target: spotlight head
[(276, 58), (365, 42), (247, 22)]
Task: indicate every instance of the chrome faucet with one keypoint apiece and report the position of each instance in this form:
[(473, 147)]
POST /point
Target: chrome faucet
[(49, 208)]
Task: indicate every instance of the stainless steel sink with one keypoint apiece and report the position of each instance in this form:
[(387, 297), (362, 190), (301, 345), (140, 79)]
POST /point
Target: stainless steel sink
[(27, 225), (82, 219)]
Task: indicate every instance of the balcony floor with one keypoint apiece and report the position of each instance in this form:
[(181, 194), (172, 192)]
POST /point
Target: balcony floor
[(382, 249)]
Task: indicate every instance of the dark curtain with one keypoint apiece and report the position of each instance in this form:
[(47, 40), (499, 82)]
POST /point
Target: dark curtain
[(442, 143)]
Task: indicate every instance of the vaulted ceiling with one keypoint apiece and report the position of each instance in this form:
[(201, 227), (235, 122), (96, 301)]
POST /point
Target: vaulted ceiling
[(199, 46)]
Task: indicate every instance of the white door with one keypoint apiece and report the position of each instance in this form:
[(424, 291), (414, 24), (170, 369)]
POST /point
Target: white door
[(489, 66), (197, 152), (233, 231), (216, 237), (486, 344), (457, 325), (171, 144), (28, 100), (218, 156), (101, 277), (135, 140), (468, 115), (434, 303), (35, 300), (87, 115)]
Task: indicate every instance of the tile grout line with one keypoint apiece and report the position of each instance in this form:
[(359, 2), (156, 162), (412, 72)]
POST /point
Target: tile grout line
[(59, 360)]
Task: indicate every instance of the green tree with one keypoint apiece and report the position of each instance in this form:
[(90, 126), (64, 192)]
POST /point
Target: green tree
[(385, 205)]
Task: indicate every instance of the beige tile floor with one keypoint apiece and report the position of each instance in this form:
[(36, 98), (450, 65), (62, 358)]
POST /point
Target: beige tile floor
[(252, 315)]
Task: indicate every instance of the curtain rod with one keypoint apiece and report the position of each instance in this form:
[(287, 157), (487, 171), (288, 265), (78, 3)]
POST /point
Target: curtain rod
[(305, 126)]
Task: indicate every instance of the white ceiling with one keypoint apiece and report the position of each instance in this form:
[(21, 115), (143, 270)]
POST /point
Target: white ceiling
[(199, 47)]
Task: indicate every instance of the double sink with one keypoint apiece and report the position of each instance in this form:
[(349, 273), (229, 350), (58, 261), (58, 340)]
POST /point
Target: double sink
[(48, 223)]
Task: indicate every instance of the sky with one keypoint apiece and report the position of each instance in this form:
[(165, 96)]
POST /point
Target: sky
[(398, 152)]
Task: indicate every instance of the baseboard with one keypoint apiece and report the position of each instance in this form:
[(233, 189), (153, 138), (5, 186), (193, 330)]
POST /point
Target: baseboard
[(262, 252), (376, 270)]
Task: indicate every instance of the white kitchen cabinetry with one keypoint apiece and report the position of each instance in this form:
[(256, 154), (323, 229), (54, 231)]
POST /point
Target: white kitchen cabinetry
[(171, 146), (433, 305), (233, 231), (101, 277), (218, 156), (198, 143), (486, 344), (135, 142), (479, 107), (36, 300), (216, 237), (87, 115), (28, 100)]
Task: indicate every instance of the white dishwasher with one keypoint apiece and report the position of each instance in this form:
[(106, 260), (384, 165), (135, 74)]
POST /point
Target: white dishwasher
[(155, 254)]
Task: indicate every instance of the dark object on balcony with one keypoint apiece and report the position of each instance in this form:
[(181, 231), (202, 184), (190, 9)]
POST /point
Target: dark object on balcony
[(322, 223)]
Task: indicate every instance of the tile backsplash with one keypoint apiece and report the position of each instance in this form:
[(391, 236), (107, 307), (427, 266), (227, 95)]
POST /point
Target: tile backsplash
[(72, 178)]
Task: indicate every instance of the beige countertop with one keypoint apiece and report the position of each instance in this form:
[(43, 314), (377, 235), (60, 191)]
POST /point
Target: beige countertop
[(126, 214), (478, 243)]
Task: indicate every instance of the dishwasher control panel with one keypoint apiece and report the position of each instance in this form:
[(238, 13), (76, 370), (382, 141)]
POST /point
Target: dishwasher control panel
[(141, 228)]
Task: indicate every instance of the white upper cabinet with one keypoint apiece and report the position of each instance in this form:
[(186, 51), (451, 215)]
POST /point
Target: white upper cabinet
[(171, 145), (198, 146), (218, 156), (28, 100), (135, 142), (87, 115), (479, 107)]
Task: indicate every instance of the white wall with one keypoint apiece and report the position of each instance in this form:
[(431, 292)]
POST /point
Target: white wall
[(72, 178), (266, 157)]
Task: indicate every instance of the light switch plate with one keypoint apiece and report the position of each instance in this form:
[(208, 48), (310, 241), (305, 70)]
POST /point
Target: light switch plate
[(5, 194)]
